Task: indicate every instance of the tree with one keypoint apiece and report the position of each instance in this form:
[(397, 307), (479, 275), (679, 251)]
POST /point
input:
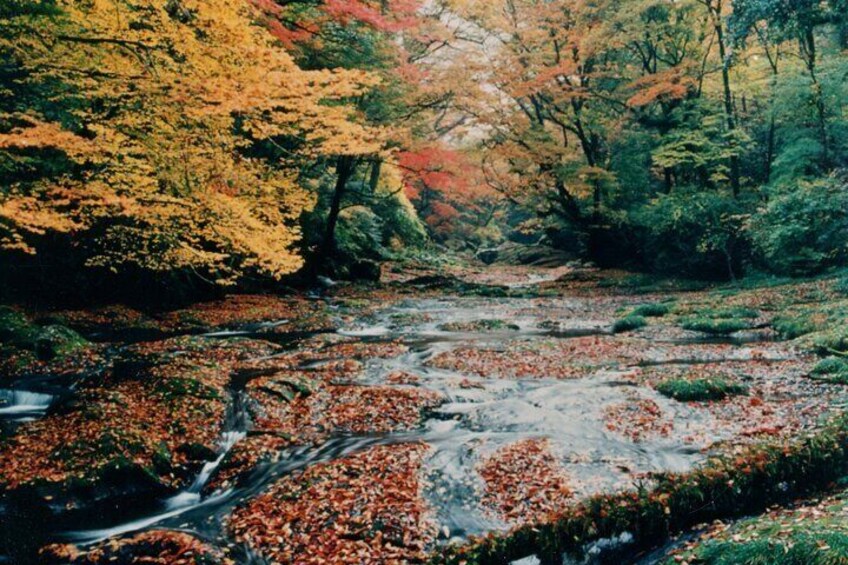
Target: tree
[(131, 128)]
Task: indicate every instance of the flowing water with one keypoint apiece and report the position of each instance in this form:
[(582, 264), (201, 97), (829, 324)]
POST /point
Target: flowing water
[(471, 424)]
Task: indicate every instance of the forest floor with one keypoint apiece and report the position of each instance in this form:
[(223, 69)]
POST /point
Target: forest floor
[(442, 415)]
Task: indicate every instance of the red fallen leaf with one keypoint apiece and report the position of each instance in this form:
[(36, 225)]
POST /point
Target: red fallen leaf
[(364, 508), (524, 482)]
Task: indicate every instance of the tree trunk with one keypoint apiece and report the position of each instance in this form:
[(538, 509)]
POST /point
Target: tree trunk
[(728, 93), (808, 49), (344, 170)]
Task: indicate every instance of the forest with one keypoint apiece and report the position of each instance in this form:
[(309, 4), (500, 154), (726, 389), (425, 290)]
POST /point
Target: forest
[(423, 281)]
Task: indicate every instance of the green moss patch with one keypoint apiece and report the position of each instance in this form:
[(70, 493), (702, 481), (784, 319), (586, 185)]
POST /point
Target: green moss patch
[(832, 370), (686, 390), (47, 342), (657, 310), (720, 321), (715, 327)]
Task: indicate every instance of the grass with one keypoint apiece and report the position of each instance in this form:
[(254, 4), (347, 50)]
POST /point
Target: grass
[(726, 486), (657, 310), (686, 390), (629, 323)]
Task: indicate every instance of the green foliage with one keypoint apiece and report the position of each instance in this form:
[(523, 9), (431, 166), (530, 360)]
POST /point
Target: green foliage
[(629, 323), (834, 340), (686, 390), (358, 234), (841, 285), (692, 234), (804, 229)]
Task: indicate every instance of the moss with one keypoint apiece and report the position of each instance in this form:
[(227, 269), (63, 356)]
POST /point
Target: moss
[(686, 390), (58, 341), (840, 286), (830, 341), (16, 330), (629, 323), (720, 321), (832, 370), (47, 342), (657, 310)]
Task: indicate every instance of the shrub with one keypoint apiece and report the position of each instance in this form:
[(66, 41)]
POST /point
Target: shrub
[(686, 390), (629, 324), (803, 229)]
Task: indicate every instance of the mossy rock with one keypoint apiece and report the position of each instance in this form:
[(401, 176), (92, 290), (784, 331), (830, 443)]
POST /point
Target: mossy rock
[(47, 342), (479, 326), (16, 330), (629, 324), (58, 341), (686, 390)]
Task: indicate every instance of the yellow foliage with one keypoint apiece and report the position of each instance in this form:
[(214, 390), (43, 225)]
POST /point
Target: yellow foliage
[(172, 93)]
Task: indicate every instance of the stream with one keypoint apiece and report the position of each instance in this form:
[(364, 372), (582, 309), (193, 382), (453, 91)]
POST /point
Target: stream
[(472, 423)]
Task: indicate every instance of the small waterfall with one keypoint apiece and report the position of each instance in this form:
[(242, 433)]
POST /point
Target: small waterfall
[(18, 403), (178, 504), (192, 494)]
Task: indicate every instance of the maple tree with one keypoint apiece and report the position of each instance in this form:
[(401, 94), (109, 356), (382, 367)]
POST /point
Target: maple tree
[(156, 110)]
